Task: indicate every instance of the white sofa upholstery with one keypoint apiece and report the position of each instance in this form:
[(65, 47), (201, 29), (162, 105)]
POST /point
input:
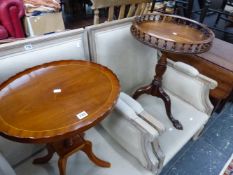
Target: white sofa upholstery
[(107, 148), (18, 56), (135, 135), (112, 45), (5, 168), (123, 52), (126, 158)]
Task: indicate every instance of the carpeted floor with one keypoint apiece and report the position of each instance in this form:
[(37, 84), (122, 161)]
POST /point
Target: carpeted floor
[(228, 167), (207, 155)]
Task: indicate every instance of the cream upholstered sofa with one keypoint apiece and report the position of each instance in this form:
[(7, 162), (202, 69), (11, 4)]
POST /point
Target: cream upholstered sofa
[(133, 145), (112, 45), (18, 56), (17, 157)]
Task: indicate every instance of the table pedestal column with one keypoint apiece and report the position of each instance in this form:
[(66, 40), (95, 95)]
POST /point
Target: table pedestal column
[(155, 89), (67, 147)]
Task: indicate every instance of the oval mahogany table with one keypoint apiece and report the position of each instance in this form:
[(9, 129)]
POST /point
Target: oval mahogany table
[(55, 103)]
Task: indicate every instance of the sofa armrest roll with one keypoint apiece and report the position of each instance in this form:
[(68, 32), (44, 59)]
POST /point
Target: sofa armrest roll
[(188, 84), (134, 135)]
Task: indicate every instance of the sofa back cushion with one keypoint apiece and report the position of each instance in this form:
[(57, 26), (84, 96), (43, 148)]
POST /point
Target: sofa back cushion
[(112, 45), (18, 56)]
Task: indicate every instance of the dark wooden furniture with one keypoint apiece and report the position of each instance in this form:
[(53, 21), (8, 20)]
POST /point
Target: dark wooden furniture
[(217, 64), (169, 33), (186, 6), (54, 104), (227, 17)]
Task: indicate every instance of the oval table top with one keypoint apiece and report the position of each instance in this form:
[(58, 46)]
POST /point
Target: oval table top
[(56, 100)]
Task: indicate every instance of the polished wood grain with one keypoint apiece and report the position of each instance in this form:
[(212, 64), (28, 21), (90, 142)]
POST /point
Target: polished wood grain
[(30, 110), (172, 31), (40, 105), (220, 54)]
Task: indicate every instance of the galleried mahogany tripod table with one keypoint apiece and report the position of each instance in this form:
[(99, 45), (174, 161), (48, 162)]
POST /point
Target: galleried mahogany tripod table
[(169, 34), (54, 104)]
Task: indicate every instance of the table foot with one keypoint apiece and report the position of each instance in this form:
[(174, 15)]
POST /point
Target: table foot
[(177, 124), (46, 158), (88, 150), (159, 92), (62, 165)]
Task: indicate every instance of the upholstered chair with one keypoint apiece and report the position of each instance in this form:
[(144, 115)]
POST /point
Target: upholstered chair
[(20, 55), (112, 45), (125, 142), (136, 138)]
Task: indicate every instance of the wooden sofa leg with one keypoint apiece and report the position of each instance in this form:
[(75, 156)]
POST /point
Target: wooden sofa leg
[(198, 133)]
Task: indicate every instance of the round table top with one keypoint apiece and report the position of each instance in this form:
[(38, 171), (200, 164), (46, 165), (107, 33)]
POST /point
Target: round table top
[(56, 100), (171, 33)]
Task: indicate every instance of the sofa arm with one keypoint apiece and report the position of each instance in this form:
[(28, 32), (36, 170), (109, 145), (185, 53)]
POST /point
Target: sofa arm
[(135, 135), (5, 168), (3, 33), (188, 84), (10, 13), (138, 109)]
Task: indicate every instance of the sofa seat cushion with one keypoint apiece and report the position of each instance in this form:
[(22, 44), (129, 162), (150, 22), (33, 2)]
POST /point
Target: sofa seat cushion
[(172, 140), (16, 152), (103, 146), (3, 33), (5, 168)]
